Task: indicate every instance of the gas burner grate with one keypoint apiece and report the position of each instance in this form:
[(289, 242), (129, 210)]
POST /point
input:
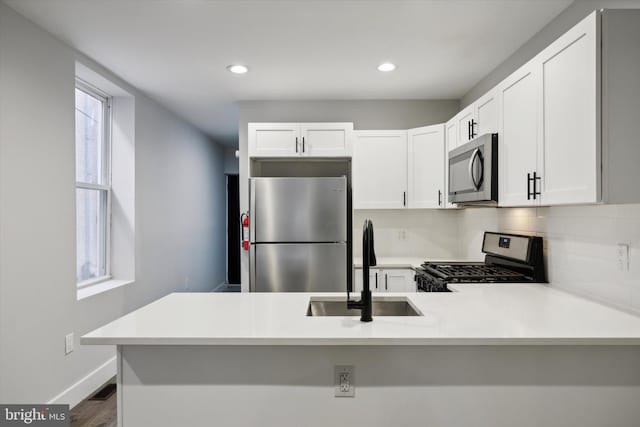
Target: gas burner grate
[(468, 271)]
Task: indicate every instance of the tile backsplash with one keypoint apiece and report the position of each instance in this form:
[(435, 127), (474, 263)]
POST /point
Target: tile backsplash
[(412, 233), (580, 242), (580, 245)]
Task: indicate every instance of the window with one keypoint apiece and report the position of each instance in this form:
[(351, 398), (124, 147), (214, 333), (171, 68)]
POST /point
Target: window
[(93, 184)]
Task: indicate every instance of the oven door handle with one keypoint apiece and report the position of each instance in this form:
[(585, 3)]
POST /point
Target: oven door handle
[(476, 155)]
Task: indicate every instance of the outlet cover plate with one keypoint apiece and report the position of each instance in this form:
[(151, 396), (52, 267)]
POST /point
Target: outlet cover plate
[(623, 256), (68, 343), (343, 380)]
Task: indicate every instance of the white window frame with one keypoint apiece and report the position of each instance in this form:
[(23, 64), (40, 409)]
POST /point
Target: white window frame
[(106, 178)]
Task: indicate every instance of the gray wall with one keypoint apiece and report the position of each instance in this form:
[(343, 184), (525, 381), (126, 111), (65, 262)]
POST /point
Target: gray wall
[(365, 114), (180, 194), (564, 21)]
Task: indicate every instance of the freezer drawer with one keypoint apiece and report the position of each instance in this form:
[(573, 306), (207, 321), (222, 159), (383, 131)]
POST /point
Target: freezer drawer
[(299, 267), (298, 209)]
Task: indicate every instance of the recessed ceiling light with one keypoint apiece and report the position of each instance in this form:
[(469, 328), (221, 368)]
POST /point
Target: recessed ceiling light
[(237, 69), (387, 66)]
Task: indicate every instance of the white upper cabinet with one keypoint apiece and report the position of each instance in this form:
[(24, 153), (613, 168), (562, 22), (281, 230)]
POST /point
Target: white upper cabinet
[(518, 136), (485, 112), (451, 139), (426, 163), (476, 119), (326, 139), (569, 149), (451, 133), (549, 140), (300, 139), (465, 122), (380, 170), (274, 139)]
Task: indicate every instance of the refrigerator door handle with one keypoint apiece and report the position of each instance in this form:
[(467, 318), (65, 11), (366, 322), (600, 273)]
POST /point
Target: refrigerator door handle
[(252, 219), (252, 267)]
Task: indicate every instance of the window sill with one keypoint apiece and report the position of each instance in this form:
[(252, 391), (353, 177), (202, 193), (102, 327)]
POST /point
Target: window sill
[(98, 288)]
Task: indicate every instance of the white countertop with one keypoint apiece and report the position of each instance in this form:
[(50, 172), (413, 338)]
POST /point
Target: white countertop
[(487, 314)]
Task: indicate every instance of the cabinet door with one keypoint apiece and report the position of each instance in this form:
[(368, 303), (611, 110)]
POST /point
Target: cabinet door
[(274, 139), (451, 138), (517, 135), (486, 113), (426, 161), (357, 280), (375, 280), (380, 170), (463, 124), (451, 133), (326, 139), (398, 280), (569, 149)]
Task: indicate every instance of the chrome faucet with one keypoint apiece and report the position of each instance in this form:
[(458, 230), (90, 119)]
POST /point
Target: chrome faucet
[(368, 260)]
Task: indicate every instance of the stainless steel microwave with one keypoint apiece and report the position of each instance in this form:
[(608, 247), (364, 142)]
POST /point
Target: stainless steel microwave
[(473, 171)]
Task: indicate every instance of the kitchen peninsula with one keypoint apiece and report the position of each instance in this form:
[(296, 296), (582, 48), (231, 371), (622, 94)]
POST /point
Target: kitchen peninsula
[(496, 355)]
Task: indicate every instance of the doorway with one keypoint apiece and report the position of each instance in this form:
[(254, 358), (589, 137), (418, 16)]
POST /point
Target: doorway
[(233, 230)]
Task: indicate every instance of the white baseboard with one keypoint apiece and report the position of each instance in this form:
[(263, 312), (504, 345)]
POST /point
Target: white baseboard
[(219, 287), (87, 385)]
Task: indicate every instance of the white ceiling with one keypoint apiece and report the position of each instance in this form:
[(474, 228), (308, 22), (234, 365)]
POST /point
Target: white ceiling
[(177, 50)]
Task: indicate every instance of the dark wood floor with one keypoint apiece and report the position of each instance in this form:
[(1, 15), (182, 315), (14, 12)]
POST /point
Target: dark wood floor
[(95, 413)]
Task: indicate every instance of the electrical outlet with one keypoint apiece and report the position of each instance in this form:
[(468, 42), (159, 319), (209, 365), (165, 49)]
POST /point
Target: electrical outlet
[(68, 343), (623, 257), (344, 381)]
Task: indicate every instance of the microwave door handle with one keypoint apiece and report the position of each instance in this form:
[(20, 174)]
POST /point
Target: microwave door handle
[(472, 161), (476, 154)]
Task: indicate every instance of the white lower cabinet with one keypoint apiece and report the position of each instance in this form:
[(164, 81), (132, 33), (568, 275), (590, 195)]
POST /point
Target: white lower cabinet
[(386, 280), (398, 280)]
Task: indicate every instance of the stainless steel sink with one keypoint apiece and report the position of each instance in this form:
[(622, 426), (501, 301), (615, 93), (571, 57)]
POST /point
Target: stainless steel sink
[(382, 306)]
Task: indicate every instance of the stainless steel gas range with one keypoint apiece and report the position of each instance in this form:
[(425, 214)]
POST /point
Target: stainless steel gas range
[(508, 258)]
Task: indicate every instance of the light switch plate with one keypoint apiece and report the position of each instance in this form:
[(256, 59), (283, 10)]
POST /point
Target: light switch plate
[(344, 381)]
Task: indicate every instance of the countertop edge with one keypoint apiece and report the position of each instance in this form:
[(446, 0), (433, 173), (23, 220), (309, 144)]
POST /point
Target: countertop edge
[(562, 341)]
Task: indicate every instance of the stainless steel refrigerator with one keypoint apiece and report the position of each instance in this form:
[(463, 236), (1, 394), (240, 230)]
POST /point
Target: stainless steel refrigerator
[(298, 234)]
